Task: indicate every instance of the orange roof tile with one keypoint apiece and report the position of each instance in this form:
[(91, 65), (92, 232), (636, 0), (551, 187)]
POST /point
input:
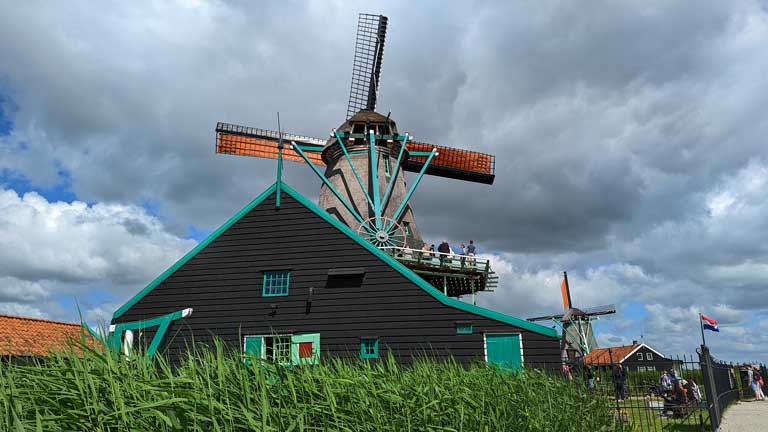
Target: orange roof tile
[(602, 356), (22, 336)]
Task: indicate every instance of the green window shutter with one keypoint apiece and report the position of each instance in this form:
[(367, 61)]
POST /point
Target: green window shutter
[(369, 348), (252, 347), (305, 349), (276, 283)]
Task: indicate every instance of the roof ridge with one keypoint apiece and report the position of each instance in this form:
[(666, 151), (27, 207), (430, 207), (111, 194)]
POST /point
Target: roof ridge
[(23, 318)]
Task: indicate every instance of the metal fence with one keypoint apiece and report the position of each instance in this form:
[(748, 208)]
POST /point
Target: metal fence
[(694, 399)]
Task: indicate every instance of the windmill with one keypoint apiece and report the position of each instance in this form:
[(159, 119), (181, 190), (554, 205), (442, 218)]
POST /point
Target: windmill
[(364, 159), (576, 324)]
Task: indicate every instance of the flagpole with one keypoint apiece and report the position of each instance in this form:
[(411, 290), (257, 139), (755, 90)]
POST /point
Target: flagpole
[(701, 324)]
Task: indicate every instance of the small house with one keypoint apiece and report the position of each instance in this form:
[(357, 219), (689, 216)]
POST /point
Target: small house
[(637, 357), (292, 284)]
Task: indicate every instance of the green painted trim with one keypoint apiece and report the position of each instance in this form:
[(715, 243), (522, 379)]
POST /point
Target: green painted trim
[(287, 284), (415, 183), (415, 153), (312, 148), (328, 184), (354, 170), (397, 169), (366, 355), (375, 180), (114, 338), (140, 295), (279, 174), (413, 277), (137, 325)]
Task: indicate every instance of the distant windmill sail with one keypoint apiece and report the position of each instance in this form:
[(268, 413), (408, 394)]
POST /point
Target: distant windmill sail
[(565, 292), (366, 68)]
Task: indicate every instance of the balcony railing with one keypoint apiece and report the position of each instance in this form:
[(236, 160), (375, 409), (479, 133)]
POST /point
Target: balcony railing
[(439, 261)]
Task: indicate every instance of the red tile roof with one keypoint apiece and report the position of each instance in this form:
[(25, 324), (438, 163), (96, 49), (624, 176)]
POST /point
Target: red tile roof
[(22, 336), (602, 356)]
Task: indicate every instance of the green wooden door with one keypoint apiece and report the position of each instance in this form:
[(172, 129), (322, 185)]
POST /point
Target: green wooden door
[(305, 349), (504, 350)]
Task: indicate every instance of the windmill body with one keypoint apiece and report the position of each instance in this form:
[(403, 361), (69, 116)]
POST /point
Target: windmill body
[(342, 177)]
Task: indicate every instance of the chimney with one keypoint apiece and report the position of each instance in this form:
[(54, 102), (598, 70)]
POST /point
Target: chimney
[(634, 342)]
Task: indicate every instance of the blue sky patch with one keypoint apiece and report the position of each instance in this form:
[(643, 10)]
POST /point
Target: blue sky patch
[(17, 181), (7, 108)]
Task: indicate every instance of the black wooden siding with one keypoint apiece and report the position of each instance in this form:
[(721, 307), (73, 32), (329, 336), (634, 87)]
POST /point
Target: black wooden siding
[(659, 362), (223, 284)]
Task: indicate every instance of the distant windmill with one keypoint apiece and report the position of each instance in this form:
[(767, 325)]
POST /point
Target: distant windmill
[(576, 324), (364, 159)]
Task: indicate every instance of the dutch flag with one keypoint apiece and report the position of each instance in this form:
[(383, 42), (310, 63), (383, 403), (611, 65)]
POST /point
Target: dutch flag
[(709, 323)]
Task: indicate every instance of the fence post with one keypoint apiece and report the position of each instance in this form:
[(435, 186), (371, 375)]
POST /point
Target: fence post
[(709, 387)]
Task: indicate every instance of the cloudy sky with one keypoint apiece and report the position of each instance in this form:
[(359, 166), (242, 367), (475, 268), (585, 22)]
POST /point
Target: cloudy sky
[(630, 140)]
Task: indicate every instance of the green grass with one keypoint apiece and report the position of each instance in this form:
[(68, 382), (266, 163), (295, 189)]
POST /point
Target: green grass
[(215, 390), (642, 418)]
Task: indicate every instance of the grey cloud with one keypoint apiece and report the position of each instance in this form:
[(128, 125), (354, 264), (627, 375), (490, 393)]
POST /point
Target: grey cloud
[(614, 125)]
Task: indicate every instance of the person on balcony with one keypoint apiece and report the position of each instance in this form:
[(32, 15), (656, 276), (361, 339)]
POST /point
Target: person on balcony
[(445, 250), (471, 249)]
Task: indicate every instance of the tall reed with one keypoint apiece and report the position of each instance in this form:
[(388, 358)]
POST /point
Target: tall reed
[(214, 389)]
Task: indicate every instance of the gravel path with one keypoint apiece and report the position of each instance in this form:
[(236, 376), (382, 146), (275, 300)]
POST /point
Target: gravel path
[(745, 416)]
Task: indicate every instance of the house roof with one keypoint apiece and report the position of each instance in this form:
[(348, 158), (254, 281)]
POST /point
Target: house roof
[(23, 336), (405, 271), (618, 354)]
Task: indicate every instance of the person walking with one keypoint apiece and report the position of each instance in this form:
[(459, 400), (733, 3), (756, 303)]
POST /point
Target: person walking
[(665, 381), (619, 381), (590, 374), (756, 385)]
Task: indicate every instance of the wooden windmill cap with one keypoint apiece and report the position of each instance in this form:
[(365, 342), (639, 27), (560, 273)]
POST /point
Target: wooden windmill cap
[(369, 117)]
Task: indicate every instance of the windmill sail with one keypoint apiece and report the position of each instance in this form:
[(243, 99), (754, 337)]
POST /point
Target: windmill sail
[(263, 143), (366, 68), (453, 163)]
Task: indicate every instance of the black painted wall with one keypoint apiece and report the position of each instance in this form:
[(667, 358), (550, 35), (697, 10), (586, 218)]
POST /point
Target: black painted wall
[(657, 361), (223, 283)]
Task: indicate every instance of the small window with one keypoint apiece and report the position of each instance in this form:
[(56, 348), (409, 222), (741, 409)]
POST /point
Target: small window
[(650, 368), (464, 328), (639, 356), (407, 228), (278, 349), (369, 348), (276, 283), (649, 356), (641, 368)]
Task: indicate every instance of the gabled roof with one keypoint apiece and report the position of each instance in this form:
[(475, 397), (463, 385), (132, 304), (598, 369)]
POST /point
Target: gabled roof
[(405, 271), (618, 354), (22, 336)]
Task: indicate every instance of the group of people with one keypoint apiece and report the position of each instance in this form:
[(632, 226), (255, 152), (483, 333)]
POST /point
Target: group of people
[(445, 250), (755, 381), (677, 392)]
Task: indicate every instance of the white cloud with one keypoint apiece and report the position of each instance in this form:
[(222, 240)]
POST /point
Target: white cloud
[(58, 248)]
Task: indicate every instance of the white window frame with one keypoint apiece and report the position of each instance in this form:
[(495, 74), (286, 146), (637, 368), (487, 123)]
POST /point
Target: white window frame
[(263, 354), (639, 356), (649, 356)]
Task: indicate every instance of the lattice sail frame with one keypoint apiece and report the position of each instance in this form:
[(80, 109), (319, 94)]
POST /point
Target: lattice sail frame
[(366, 66)]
